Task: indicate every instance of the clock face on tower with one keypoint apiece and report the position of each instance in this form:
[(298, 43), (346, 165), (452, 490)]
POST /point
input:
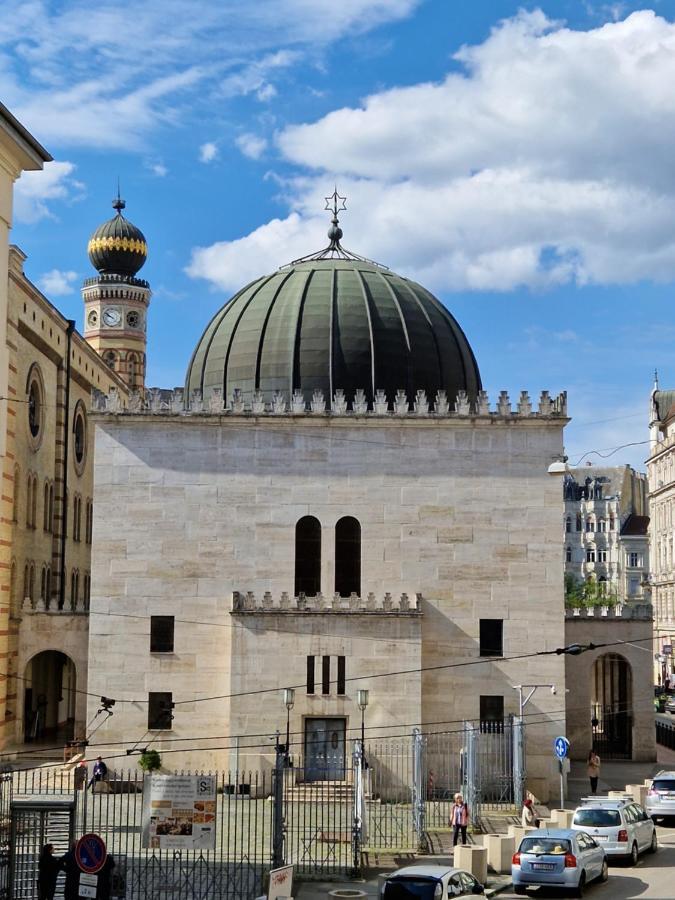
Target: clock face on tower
[(111, 317)]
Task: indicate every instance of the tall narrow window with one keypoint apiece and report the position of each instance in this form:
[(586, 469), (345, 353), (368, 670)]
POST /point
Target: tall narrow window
[(491, 637), (160, 706), (568, 524), (46, 521), (17, 491), (161, 634), (341, 675), (491, 713), (578, 522), (308, 556), (310, 674), (568, 554), (325, 675), (348, 557)]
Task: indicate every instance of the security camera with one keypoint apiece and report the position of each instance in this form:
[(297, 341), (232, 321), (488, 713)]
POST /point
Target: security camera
[(553, 690)]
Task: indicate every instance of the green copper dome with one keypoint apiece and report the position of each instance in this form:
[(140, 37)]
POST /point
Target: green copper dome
[(329, 324)]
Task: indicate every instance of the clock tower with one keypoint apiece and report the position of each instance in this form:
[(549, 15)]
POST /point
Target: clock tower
[(116, 301)]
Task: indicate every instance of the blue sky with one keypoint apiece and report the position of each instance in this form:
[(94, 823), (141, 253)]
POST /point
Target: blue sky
[(514, 158)]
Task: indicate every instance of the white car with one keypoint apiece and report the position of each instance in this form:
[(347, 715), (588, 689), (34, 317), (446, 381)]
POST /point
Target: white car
[(660, 803), (621, 827), (430, 883)]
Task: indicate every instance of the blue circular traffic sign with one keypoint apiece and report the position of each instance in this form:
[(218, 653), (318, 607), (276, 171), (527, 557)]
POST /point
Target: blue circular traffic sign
[(90, 853), (561, 747)]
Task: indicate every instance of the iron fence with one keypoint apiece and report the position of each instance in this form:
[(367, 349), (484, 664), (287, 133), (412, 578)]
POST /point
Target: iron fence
[(388, 800)]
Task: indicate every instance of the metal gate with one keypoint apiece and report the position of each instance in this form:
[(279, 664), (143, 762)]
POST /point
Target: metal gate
[(5, 833), (34, 823), (612, 732)]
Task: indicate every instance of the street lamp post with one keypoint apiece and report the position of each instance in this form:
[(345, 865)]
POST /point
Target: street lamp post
[(362, 701), (523, 701), (289, 701)]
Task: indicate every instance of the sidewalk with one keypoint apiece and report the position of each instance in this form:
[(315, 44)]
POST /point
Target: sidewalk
[(369, 887), (615, 775)]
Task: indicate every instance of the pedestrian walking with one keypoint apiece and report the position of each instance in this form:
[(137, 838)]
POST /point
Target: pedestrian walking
[(593, 770), (99, 773), (528, 816), (459, 819), (48, 870)]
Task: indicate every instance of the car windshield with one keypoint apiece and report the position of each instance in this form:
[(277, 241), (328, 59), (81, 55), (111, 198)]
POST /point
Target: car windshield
[(599, 818), (663, 784), (419, 888), (549, 846)]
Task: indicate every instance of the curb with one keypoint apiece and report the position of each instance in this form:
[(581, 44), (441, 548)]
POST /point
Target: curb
[(492, 892)]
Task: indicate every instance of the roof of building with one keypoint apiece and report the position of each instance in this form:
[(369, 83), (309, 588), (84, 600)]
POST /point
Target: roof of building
[(333, 321), (117, 247), (24, 134), (664, 404), (635, 526)]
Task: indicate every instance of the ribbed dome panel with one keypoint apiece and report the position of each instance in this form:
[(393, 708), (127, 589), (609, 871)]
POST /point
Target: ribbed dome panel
[(329, 325)]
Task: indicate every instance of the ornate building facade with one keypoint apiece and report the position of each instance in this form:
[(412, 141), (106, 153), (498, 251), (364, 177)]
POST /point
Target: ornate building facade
[(606, 537), (332, 500)]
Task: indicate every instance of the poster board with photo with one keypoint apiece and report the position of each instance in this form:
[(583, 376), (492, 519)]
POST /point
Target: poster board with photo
[(179, 812)]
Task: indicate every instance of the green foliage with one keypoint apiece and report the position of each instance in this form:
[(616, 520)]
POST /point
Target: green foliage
[(150, 761), (584, 594)]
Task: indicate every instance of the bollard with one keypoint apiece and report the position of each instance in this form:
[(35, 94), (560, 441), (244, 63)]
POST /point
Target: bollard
[(638, 792), (500, 849), (518, 832), (472, 859), (562, 818)]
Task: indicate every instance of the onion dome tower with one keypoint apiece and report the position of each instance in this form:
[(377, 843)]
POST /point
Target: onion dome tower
[(333, 321), (116, 301)]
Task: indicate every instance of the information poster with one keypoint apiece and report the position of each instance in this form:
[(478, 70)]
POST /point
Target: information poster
[(179, 812)]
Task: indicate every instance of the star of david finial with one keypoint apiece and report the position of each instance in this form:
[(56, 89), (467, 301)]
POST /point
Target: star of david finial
[(333, 203)]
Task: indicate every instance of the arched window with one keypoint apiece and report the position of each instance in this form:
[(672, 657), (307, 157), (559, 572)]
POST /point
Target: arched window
[(348, 557), (578, 521), (589, 524), (602, 525), (611, 523), (48, 587), (29, 499), (568, 554), (43, 585), (14, 605), (132, 368), (46, 521), (568, 524), (31, 585), (26, 582), (308, 556), (110, 358), (51, 506)]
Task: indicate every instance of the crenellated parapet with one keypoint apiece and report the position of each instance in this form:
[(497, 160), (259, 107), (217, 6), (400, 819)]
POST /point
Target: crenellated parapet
[(641, 611), (287, 604), (156, 401), (77, 608)]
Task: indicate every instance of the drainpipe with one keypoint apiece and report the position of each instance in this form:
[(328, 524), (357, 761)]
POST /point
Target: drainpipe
[(66, 445)]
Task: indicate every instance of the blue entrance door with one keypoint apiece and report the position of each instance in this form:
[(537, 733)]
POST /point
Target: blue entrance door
[(325, 749)]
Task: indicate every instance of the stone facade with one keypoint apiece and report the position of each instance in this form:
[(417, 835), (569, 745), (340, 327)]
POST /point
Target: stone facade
[(47, 455), (611, 685), (195, 518)]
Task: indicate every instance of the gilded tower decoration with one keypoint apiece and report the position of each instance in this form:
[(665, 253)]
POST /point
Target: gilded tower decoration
[(116, 301)]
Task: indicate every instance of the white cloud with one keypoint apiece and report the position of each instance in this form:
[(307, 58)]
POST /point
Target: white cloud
[(56, 283), (158, 169), (71, 78), (546, 158), (208, 152), (251, 145), (34, 190)]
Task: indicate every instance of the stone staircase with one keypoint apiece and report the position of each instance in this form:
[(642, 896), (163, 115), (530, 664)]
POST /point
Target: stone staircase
[(319, 792)]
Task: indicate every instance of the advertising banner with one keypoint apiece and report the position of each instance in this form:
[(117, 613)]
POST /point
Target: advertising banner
[(179, 812)]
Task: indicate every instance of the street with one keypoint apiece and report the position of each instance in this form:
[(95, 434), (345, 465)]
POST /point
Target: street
[(652, 877)]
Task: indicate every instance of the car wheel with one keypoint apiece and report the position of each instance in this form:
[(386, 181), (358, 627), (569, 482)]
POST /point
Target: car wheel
[(654, 846), (579, 890), (604, 872), (633, 856)]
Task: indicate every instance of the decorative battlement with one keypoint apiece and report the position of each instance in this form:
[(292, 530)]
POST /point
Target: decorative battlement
[(642, 611), (352, 605), (156, 401), (79, 608)]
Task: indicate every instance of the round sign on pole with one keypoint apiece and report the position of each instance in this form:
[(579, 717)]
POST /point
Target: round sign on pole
[(90, 853), (561, 747)]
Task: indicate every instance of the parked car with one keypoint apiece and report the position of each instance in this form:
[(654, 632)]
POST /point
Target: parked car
[(660, 803), (621, 827), (669, 706), (562, 857), (430, 883)]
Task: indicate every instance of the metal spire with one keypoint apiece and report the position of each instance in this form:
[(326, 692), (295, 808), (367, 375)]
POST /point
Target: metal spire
[(335, 203), (118, 203)]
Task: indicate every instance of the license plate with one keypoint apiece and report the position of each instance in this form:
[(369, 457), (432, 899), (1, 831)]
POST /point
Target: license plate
[(600, 837), (543, 867)]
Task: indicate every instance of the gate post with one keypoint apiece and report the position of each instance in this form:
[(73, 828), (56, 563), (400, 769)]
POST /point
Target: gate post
[(471, 786), (278, 801), (518, 737), (419, 808), (359, 808)]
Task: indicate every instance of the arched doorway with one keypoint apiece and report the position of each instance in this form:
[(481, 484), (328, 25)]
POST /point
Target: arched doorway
[(49, 697), (612, 706)]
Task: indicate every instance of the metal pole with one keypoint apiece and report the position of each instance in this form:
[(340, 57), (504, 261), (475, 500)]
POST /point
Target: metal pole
[(278, 814), (562, 785), (364, 765), (357, 819), (288, 734)]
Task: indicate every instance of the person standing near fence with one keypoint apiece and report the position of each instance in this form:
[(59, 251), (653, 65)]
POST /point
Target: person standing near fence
[(593, 770), (48, 870), (459, 820)]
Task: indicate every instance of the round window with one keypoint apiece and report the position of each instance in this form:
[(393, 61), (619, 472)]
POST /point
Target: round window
[(80, 437), (34, 408), (133, 319), (92, 318)]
